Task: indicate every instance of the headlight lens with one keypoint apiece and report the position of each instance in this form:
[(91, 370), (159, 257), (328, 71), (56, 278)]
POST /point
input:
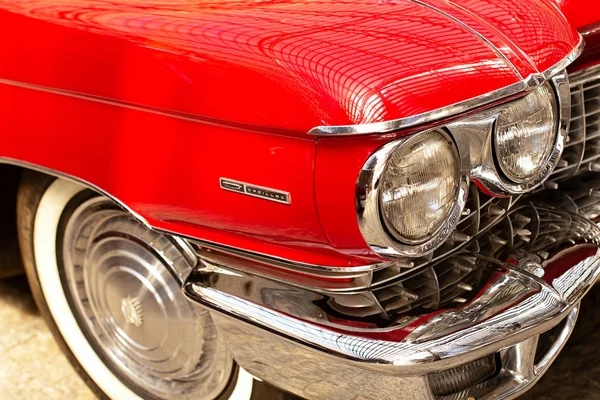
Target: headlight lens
[(420, 186), (525, 135)]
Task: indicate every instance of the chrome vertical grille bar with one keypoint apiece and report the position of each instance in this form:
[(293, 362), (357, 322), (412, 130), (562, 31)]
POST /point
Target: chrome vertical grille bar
[(582, 151)]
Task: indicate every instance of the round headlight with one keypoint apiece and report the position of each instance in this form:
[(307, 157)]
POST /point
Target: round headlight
[(420, 186), (525, 135)]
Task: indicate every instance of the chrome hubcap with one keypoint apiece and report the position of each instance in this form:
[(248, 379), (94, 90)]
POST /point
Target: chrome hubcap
[(124, 284)]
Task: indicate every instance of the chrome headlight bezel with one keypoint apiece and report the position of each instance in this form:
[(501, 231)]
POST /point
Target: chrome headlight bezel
[(371, 220), (415, 149), (539, 134), (473, 137), (485, 168)]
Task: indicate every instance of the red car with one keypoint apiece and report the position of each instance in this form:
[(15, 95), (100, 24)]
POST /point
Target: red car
[(357, 199)]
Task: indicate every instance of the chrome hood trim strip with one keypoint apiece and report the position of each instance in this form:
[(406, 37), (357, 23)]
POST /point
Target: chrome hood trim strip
[(475, 33), (528, 83)]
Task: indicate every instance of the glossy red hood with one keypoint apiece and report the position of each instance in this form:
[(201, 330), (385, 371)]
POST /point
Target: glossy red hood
[(283, 66), (580, 13)]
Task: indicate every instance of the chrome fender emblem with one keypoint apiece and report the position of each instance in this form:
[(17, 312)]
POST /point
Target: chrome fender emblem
[(255, 191)]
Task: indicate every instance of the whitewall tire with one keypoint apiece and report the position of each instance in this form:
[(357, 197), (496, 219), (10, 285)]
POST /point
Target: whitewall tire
[(110, 354)]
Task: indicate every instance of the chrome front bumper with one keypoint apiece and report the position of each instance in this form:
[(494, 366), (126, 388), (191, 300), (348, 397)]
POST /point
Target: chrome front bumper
[(286, 334)]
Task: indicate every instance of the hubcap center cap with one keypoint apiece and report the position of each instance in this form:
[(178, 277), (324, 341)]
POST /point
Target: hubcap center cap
[(132, 311)]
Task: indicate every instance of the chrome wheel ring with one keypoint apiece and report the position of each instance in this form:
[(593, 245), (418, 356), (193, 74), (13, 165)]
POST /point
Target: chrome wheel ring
[(123, 282)]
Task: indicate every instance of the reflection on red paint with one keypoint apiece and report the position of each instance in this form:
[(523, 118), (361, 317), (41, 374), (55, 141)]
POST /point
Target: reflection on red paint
[(232, 71), (288, 64)]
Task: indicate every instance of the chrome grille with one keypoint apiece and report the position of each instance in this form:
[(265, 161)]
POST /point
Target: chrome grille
[(449, 282), (446, 383), (582, 150), (435, 281), (581, 195), (456, 279), (480, 212), (400, 289)]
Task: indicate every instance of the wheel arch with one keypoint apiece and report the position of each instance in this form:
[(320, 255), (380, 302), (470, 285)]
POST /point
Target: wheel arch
[(11, 173), (33, 168)]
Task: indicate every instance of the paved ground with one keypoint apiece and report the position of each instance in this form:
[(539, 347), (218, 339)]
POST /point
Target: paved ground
[(32, 366)]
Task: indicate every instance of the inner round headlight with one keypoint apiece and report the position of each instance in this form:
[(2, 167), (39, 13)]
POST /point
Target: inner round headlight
[(420, 186), (525, 135)]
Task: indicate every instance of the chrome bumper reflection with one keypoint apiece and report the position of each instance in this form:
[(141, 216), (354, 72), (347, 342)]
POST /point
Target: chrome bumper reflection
[(293, 338)]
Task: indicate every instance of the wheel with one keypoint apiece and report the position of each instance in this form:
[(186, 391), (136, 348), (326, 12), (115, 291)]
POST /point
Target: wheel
[(110, 291)]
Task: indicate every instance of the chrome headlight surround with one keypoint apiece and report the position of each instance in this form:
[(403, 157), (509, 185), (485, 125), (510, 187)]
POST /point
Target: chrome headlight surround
[(473, 137), (524, 134), (485, 168), (370, 216)]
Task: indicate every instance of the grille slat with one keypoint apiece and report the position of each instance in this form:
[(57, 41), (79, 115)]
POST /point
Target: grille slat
[(455, 280), (432, 282), (583, 144)]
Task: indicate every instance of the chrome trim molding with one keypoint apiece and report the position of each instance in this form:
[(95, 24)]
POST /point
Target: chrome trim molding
[(470, 29), (528, 291), (590, 30), (526, 84), (330, 279), (285, 263), (324, 271), (424, 118)]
